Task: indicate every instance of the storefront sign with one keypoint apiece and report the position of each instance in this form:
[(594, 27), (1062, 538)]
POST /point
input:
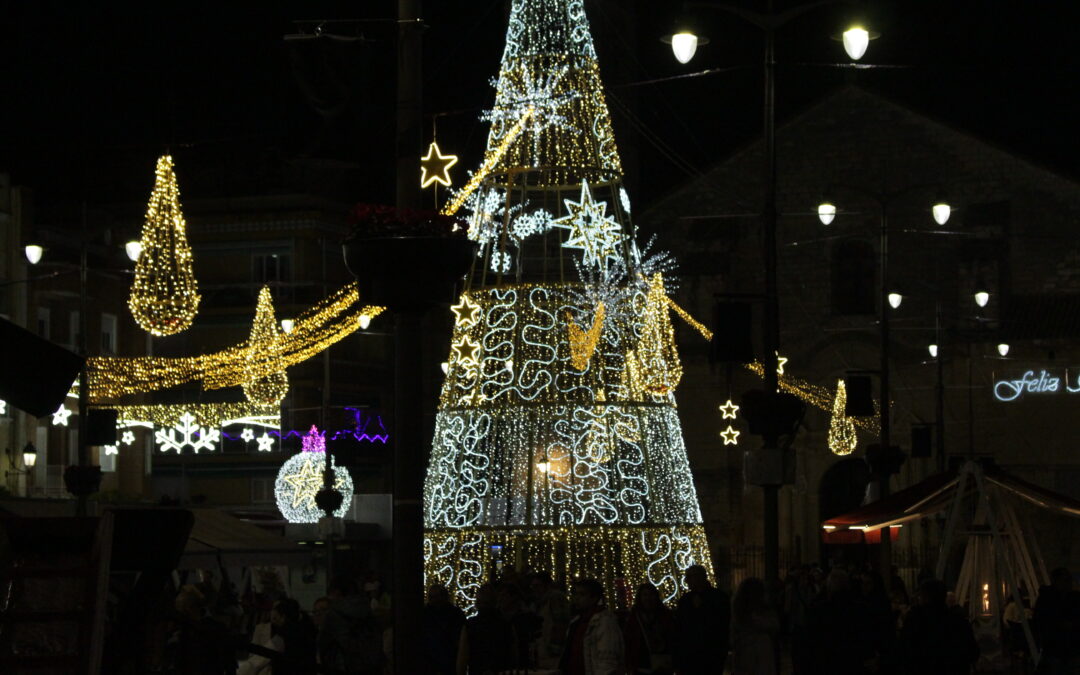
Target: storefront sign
[(1041, 382)]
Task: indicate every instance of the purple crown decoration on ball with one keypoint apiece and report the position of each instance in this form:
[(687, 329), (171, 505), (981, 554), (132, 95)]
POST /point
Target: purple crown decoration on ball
[(314, 441)]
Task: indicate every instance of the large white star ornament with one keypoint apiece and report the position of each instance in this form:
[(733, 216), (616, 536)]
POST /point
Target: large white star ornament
[(591, 229), (266, 442)]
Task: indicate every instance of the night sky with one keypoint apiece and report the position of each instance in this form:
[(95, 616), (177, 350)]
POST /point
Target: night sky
[(92, 94)]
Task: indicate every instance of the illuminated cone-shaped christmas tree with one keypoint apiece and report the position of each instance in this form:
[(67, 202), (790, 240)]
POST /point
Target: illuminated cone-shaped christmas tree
[(557, 443), (842, 437), (164, 296), (271, 389)]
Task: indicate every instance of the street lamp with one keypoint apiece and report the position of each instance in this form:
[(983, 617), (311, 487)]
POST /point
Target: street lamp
[(33, 253), (29, 455), (941, 211), (133, 249), (895, 299), (856, 39), (932, 348), (287, 325), (826, 212), (1003, 349)]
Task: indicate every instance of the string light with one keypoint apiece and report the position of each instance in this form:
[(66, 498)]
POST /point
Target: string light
[(268, 389), (572, 460), (815, 395), (164, 295), (842, 437), (325, 323)]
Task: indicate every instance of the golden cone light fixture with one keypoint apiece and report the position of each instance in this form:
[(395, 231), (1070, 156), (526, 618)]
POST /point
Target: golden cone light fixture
[(164, 296), (270, 389)]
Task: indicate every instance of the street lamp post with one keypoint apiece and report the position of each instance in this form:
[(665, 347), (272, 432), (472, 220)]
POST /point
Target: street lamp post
[(769, 458)]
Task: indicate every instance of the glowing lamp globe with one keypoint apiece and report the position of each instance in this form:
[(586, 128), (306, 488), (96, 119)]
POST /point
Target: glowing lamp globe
[(856, 40), (33, 253), (941, 212), (29, 456), (982, 298), (684, 46), (933, 350), (133, 249), (826, 212), (895, 299), (287, 325), (1003, 349), (364, 321)]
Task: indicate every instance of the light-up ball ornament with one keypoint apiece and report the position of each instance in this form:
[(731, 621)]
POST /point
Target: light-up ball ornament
[(856, 40), (300, 479), (684, 46)]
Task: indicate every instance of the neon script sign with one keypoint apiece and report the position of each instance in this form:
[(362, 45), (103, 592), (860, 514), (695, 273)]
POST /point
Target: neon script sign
[(1042, 383)]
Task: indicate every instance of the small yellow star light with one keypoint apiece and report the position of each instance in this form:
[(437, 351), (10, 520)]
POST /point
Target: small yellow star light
[(465, 312), (730, 435), (435, 166), (467, 350), (729, 409)]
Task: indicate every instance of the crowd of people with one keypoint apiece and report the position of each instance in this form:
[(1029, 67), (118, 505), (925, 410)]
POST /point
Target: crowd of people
[(844, 622)]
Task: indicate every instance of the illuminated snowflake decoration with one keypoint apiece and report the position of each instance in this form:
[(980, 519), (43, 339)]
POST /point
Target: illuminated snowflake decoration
[(60, 417), (537, 90), (500, 262), (111, 450), (187, 434), (529, 224), (247, 435), (597, 234), (487, 209), (300, 479), (610, 288)]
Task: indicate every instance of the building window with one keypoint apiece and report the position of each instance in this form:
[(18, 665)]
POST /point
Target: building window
[(270, 267), (43, 322), (853, 286), (108, 333)]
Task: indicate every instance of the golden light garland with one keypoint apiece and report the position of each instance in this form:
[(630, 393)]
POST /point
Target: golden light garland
[(164, 295), (491, 160), (204, 414), (817, 396), (265, 389), (332, 319), (842, 437)]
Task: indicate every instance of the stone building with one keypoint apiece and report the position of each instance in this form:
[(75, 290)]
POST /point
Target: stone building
[(1011, 233)]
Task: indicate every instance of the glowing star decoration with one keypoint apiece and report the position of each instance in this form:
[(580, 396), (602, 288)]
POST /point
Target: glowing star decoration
[(781, 361), (465, 312), (842, 438), (266, 442), (60, 417), (466, 350), (128, 437), (435, 166), (300, 479), (187, 434), (265, 338), (164, 295), (247, 435), (591, 230), (729, 409), (730, 435)]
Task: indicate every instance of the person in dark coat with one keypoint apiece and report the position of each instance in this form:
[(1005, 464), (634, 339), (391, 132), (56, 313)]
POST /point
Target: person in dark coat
[(935, 641), (297, 638), (442, 631), (487, 644), (649, 634), (1057, 625), (834, 617), (703, 618)]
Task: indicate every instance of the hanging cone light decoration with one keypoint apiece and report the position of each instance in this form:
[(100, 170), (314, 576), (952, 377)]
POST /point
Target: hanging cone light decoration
[(842, 438), (269, 390), (164, 296)]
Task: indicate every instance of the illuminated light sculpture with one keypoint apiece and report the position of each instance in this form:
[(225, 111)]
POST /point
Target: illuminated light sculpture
[(187, 433), (435, 166), (323, 324), (164, 296), (729, 409), (60, 417), (557, 441), (265, 389), (842, 437), (301, 478), (730, 435)]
